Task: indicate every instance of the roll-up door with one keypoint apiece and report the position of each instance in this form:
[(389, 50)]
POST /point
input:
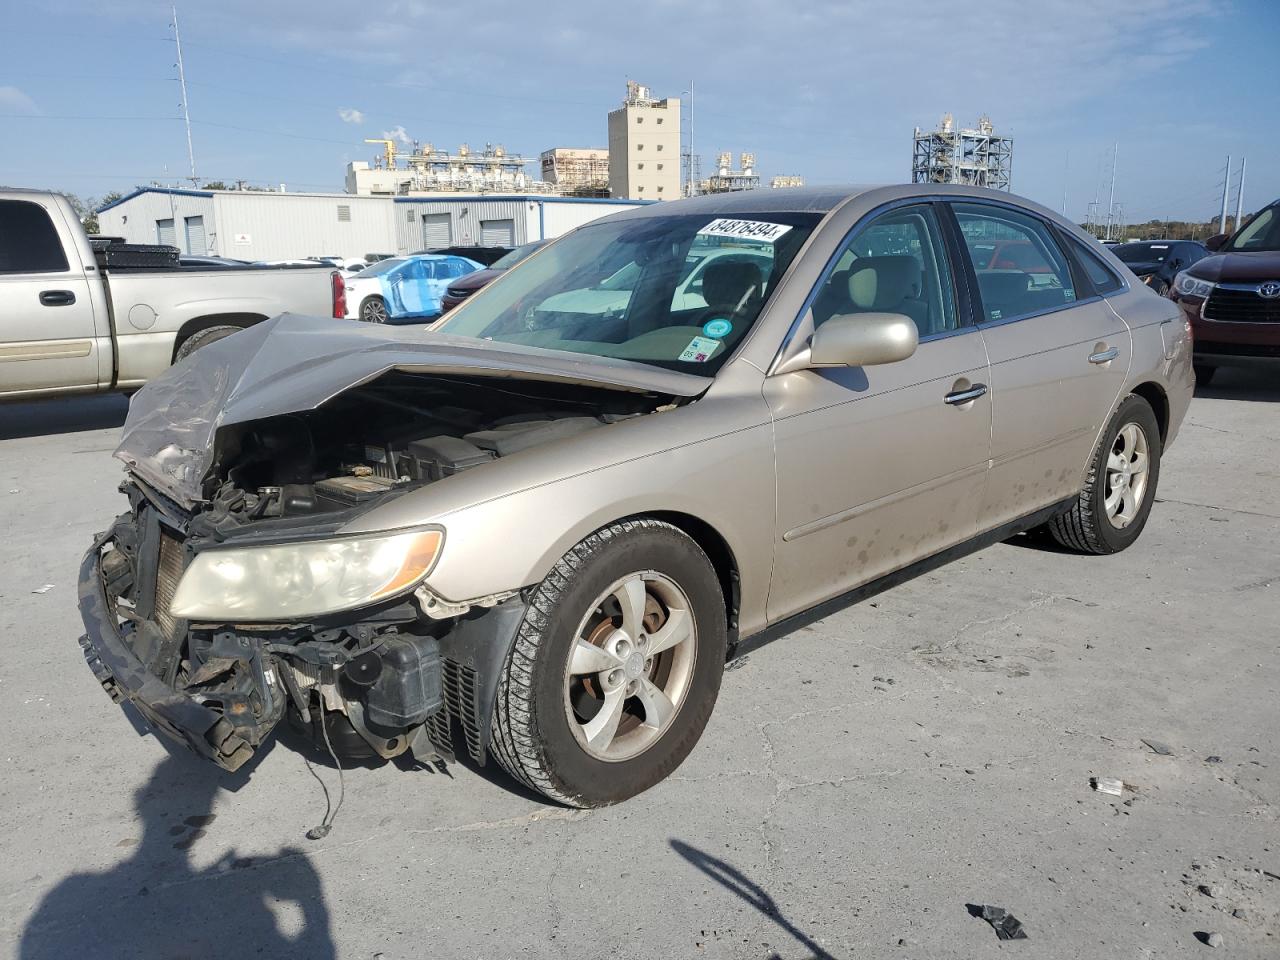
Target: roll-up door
[(497, 233), (436, 231)]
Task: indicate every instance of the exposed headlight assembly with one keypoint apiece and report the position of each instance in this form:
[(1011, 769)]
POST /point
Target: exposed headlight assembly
[(1189, 286), (288, 581)]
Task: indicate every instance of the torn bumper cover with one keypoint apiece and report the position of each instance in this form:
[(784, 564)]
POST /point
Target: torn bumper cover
[(125, 678), (376, 683)]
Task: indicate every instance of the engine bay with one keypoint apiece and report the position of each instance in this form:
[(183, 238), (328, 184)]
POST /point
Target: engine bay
[(394, 434)]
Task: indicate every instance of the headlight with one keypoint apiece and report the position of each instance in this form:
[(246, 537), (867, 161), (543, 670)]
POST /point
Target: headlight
[(287, 581), (1189, 286)]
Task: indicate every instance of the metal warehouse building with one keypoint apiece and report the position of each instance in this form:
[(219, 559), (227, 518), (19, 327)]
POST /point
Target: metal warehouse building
[(251, 225)]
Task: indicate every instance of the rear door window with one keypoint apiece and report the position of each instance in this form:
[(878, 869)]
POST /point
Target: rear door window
[(1102, 277), (1027, 272), (28, 240)]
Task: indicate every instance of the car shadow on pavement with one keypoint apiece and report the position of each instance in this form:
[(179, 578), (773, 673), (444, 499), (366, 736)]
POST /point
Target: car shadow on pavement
[(158, 903), (1233, 383), (737, 883), (62, 415)]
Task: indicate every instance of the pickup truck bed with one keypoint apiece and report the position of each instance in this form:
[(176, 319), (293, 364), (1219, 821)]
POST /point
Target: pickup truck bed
[(69, 326)]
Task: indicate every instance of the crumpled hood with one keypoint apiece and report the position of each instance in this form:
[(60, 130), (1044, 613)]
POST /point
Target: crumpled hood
[(292, 363)]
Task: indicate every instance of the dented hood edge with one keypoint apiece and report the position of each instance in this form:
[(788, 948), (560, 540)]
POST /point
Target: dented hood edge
[(293, 363)]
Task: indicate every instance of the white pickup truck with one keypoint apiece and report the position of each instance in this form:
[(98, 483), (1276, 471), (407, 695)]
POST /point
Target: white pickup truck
[(68, 324)]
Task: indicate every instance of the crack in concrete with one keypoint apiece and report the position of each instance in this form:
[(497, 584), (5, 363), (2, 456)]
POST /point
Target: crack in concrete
[(1210, 506)]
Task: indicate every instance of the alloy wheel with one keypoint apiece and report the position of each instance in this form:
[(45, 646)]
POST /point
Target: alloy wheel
[(375, 311), (1126, 483), (630, 666)]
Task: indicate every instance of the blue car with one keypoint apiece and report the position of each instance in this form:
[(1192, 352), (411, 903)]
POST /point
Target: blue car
[(404, 289)]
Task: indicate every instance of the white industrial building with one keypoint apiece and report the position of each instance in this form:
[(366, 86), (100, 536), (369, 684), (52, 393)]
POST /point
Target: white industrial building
[(250, 225)]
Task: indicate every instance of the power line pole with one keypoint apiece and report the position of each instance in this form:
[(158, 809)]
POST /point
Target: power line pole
[(1111, 204), (182, 83), (1226, 185), (1240, 194)]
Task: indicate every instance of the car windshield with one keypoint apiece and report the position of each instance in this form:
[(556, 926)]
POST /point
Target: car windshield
[(1142, 252), (1261, 233), (507, 261), (677, 292), (381, 267)]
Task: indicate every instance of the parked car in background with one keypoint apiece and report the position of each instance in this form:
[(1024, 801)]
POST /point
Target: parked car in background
[(404, 289), (459, 290), (1232, 298), (539, 533), (80, 318), (1157, 262), (485, 256)]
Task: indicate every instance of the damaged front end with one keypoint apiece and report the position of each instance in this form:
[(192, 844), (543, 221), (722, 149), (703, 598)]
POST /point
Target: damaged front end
[(373, 682), (232, 593)]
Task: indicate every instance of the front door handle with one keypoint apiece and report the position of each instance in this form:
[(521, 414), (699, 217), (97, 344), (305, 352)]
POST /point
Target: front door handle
[(1104, 356), (57, 298), (957, 397)]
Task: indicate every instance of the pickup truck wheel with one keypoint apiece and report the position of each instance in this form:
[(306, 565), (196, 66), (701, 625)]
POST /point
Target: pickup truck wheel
[(373, 310), (616, 667), (202, 338), (1120, 485)]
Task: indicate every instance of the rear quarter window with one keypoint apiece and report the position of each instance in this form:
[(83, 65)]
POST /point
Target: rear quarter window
[(28, 240), (1100, 275)]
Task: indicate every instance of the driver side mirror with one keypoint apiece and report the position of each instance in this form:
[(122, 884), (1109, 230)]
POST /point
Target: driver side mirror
[(857, 340), (1216, 241)]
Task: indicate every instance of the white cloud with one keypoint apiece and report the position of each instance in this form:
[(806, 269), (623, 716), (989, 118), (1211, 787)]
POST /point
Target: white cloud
[(13, 100), (350, 115), (399, 134)]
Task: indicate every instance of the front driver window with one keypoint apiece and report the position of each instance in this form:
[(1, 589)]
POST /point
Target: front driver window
[(897, 263)]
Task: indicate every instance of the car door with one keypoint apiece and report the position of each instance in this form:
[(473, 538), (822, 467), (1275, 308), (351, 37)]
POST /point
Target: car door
[(1059, 356), (48, 338), (879, 466)]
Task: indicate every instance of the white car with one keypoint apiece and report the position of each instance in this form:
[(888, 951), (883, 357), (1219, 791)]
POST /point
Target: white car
[(404, 289)]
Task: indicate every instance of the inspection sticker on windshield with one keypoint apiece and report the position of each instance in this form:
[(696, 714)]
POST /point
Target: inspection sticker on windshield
[(745, 229), (699, 350)]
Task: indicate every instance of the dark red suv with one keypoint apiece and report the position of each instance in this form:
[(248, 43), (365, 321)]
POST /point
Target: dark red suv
[(1232, 298)]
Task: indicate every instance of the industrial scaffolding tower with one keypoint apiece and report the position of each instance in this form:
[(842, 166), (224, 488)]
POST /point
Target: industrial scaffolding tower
[(977, 158)]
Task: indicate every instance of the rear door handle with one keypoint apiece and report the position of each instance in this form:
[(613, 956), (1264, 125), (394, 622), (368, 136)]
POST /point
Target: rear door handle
[(57, 298), (1103, 356), (957, 397)]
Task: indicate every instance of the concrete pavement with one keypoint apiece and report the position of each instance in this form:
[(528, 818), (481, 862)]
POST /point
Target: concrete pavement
[(860, 783)]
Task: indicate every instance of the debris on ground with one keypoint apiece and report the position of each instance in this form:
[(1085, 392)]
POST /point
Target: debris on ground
[(739, 662), (1005, 924), (1210, 939), (1108, 785), (1157, 747), (45, 589), (1238, 913), (1213, 890), (1213, 759)]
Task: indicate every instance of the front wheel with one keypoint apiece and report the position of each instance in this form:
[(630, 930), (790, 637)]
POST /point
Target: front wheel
[(616, 668), (1120, 485)]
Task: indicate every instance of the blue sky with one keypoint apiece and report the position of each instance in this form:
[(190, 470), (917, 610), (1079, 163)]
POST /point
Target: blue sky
[(287, 91)]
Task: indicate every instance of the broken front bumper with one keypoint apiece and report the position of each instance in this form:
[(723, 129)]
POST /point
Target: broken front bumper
[(126, 678)]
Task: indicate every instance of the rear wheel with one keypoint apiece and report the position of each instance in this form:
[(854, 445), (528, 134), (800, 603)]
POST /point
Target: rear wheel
[(1120, 485), (202, 338), (616, 668), (373, 310)]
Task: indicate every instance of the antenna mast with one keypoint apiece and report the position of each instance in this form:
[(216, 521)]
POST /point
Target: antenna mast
[(182, 83)]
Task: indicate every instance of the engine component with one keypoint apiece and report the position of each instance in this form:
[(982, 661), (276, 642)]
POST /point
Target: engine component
[(438, 457), (408, 688), (514, 437), (349, 491)]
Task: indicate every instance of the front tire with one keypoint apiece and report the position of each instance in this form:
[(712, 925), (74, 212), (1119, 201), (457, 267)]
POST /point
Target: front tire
[(616, 667), (1120, 485)]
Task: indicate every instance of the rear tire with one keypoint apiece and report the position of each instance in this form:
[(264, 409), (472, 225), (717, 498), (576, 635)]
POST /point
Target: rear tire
[(373, 310), (549, 729), (1116, 500), (202, 338)]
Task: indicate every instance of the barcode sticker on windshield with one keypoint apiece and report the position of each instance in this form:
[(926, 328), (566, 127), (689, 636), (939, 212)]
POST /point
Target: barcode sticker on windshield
[(699, 350), (745, 229)]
